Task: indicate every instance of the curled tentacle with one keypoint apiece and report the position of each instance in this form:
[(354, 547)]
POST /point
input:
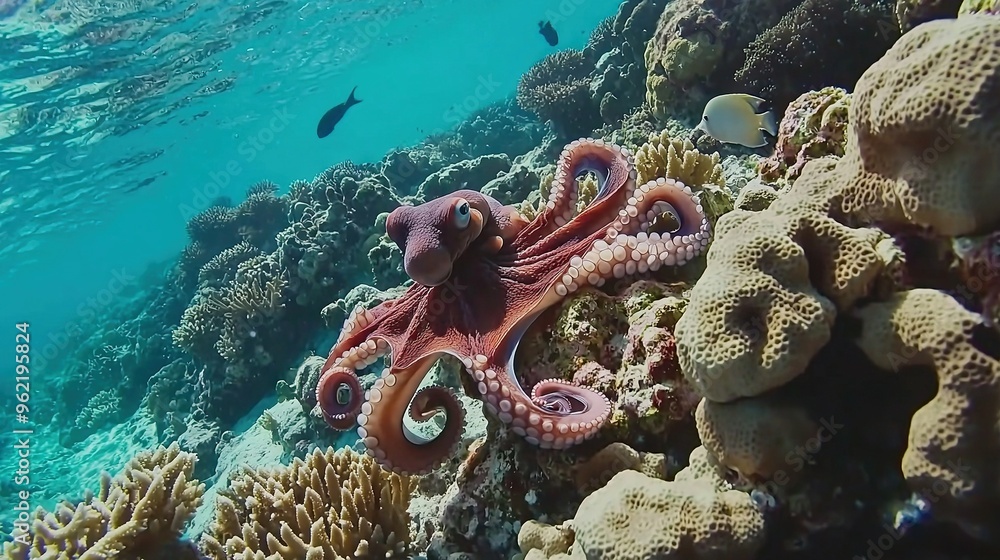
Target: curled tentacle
[(556, 415), (612, 165), (430, 401), (339, 396), (382, 431)]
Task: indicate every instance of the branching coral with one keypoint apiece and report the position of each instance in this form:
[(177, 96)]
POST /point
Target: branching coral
[(819, 43), (663, 156), (141, 511), (557, 89), (332, 506), (222, 267)]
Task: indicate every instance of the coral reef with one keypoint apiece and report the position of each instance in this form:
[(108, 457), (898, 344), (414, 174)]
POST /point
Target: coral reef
[(334, 505), (141, 512), (556, 89), (814, 125), (819, 43), (835, 262), (911, 13), (617, 83), (697, 47)]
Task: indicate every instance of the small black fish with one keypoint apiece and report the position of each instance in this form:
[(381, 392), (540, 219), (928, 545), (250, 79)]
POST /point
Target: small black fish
[(333, 116), (547, 31)]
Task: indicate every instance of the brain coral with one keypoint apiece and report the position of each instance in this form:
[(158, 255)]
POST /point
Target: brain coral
[(950, 457), (925, 124), (922, 155), (636, 516)]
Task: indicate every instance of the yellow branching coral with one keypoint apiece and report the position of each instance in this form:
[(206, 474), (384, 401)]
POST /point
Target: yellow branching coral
[(663, 156), (332, 506), (586, 190), (141, 510)]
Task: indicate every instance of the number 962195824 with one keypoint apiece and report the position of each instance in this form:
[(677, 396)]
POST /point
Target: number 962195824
[(22, 372)]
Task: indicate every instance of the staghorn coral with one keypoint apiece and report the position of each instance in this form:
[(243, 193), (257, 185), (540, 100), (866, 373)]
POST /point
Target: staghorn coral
[(140, 512), (663, 156), (332, 506), (556, 89), (814, 125)]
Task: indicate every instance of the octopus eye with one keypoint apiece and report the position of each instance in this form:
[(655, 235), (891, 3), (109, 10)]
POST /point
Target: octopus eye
[(461, 213)]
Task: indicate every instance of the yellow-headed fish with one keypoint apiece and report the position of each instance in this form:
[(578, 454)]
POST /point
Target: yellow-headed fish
[(733, 118)]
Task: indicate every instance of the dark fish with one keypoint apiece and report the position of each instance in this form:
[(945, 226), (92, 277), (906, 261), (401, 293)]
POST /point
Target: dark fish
[(551, 37), (333, 116)]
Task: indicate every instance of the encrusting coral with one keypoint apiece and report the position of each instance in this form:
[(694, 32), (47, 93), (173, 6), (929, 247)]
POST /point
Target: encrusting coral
[(332, 506), (141, 511), (830, 255)]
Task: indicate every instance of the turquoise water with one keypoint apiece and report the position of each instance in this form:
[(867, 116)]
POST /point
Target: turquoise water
[(204, 99), (120, 121)]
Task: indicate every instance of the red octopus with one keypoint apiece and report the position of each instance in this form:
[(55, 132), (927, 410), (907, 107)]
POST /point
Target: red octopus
[(482, 274)]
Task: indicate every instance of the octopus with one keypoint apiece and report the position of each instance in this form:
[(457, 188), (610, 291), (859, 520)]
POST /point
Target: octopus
[(482, 274)]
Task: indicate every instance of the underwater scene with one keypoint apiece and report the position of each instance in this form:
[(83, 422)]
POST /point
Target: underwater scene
[(512, 280)]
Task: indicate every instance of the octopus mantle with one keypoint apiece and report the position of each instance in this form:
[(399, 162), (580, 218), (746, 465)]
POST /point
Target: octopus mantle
[(482, 274)]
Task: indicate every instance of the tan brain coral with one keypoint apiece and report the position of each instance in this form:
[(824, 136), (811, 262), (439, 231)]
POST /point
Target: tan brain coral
[(757, 438), (925, 142), (954, 442), (770, 294), (636, 517)]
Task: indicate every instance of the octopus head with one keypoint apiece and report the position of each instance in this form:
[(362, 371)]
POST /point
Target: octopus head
[(433, 235)]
